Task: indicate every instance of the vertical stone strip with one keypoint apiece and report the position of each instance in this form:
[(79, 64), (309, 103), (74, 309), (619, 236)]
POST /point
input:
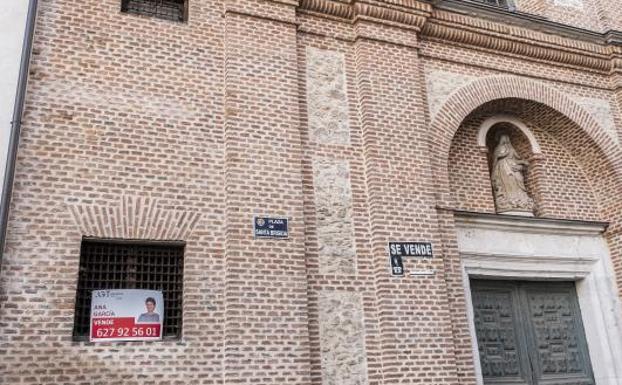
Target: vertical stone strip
[(327, 105), (266, 325), (342, 339), (333, 205)]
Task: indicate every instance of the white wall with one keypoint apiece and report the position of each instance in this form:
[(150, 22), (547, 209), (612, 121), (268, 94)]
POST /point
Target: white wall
[(12, 27)]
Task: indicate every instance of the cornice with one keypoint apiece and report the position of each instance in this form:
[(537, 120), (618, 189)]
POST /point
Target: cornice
[(408, 13), (614, 38), (328, 7), (515, 31), (413, 15), (475, 24), (473, 31), (529, 21)]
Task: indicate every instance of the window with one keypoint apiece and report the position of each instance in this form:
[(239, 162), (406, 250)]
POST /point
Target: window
[(121, 264), (175, 10)]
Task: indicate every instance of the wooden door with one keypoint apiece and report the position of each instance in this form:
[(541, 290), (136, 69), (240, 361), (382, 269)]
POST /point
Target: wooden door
[(530, 333)]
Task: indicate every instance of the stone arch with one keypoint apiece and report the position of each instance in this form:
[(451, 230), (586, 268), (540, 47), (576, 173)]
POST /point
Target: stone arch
[(513, 120), (478, 92)]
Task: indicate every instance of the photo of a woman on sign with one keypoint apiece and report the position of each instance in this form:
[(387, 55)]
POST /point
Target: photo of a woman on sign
[(150, 316)]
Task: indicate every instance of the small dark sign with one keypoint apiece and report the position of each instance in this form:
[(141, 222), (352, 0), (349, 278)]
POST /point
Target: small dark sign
[(270, 227), (410, 249), (397, 266)]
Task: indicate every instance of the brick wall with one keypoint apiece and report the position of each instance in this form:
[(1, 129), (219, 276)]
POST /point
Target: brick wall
[(577, 13), (119, 107), (587, 14), (266, 335), (359, 132)]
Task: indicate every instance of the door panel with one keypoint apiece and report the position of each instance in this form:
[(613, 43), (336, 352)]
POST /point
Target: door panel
[(559, 353), (530, 333), (498, 334)]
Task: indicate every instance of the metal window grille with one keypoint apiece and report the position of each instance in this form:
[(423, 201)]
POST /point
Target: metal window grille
[(174, 10), (119, 264)]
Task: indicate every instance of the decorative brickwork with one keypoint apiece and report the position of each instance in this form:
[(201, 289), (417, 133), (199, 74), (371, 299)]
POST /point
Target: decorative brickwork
[(134, 218), (555, 177)]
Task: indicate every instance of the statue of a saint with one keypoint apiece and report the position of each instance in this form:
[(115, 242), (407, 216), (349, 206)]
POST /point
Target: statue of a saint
[(508, 182)]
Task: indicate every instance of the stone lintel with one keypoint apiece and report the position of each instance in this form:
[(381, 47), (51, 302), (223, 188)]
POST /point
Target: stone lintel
[(526, 237), (467, 219)]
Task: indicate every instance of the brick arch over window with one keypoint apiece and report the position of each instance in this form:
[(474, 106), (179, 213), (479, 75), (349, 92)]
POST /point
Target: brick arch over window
[(468, 98)]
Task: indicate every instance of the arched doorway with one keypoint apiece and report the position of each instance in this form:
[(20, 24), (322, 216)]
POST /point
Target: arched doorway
[(573, 177)]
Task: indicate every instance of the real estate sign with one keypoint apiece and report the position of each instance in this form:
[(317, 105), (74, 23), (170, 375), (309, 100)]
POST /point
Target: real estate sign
[(126, 315)]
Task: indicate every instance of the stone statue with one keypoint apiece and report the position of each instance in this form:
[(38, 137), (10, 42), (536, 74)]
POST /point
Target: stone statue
[(508, 182)]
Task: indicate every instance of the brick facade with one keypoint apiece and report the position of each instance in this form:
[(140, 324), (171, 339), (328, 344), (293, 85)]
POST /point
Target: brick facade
[(357, 121)]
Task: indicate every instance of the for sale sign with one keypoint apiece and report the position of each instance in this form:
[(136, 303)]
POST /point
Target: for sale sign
[(126, 315)]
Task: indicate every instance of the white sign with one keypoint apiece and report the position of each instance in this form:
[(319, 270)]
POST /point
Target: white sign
[(126, 315)]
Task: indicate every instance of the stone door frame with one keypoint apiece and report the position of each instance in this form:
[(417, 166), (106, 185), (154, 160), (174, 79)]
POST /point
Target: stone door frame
[(545, 249)]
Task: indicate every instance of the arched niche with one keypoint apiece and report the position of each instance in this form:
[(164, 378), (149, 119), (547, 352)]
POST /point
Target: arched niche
[(514, 121), (557, 177), (462, 102), (526, 147)]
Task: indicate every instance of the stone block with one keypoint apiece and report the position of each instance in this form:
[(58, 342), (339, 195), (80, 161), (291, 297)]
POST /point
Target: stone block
[(342, 339), (327, 103), (333, 204), (441, 84), (600, 109)]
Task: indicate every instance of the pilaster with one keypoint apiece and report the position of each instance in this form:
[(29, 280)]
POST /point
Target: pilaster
[(415, 323), (266, 328)]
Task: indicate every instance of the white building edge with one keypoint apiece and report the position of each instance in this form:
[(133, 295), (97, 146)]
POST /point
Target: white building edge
[(17, 18), (12, 27)]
